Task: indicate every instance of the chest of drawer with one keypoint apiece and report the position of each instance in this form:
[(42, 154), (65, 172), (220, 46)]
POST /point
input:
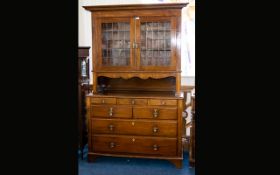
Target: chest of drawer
[(109, 111), (155, 112), (105, 100), (162, 102), (134, 127), (131, 101), (135, 145)]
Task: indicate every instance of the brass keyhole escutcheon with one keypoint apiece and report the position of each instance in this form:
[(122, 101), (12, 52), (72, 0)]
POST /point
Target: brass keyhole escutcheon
[(111, 127), (155, 129), (132, 123), (133, 139), (112, 145)]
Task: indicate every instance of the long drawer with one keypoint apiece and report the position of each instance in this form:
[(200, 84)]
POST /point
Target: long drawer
[(134, 145), (155, 112), (134, 127), (111, 111)]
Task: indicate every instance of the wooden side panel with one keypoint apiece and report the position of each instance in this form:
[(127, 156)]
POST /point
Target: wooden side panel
[(88, 124), (180, 120)]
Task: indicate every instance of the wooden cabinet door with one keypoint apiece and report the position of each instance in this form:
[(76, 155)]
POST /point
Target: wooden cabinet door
[(114, 38), (156, 37)]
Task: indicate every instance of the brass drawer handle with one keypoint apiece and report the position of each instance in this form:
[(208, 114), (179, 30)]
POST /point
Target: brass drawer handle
[(134, 45), (155, 113), (112, 145), (111, 112), (111, 127), (155, 147), (155, 130)]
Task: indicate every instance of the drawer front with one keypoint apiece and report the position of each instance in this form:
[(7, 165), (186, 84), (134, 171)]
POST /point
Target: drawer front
[(111, 111), (155, 112), (103, 100), (134, 127), (162, 102), (135, 145), (131, 101)]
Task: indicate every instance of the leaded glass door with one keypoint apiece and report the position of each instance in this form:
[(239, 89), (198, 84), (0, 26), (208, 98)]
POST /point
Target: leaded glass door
[(157, 38), (115, 44)]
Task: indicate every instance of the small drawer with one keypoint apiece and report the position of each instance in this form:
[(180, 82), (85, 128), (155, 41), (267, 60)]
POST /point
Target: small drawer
[(109, 111), (103, 100), (155, 112), (131, 101), (159, 102)]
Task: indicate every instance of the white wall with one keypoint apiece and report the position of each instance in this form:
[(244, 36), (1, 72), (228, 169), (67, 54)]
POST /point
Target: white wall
[(188, 80), (85, 37)]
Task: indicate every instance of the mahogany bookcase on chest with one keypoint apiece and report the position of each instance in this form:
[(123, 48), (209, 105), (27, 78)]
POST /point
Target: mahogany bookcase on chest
[(136, 106), (83, 88)]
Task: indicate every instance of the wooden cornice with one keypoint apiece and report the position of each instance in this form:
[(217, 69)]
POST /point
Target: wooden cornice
[(135, 6)]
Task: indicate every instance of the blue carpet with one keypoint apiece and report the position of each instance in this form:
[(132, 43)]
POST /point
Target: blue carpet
[(132, 166)]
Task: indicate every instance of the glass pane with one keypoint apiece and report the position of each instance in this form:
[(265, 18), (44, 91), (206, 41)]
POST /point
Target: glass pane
[(115, 44), (166, 25), (155, 43)]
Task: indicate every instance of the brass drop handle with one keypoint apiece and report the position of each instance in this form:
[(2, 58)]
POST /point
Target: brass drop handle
[(155, 147), (134, 45), (133, 102), (111, 127), (155, 129), (112, 145), (111, 112), (155, 113)]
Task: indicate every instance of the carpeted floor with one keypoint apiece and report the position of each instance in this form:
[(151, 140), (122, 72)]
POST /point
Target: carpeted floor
[(131, 166)]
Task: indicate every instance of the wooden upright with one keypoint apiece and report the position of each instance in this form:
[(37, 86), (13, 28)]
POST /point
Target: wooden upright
[(136, 106)]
